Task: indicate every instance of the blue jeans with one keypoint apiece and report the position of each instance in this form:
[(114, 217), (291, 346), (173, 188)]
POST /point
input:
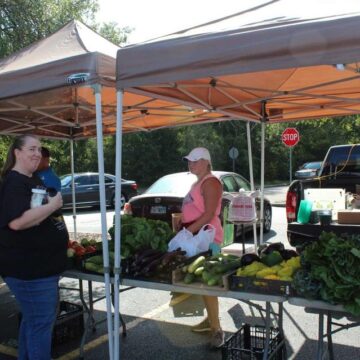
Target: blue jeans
[(38, 301)]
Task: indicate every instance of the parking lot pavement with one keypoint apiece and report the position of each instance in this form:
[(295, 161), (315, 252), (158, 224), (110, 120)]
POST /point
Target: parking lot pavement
[(156, 330), (276, 194)]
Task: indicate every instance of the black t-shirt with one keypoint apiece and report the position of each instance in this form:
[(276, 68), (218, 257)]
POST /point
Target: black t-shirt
[(36, 252)]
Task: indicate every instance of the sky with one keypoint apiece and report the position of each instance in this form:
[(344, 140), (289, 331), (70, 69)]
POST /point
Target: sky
[(154, 18)]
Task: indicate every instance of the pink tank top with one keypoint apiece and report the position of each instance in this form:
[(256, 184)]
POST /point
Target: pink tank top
[(194, 206)]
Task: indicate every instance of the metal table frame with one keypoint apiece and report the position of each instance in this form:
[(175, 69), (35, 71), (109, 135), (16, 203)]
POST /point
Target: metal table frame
[(325, 309), (132, 283)]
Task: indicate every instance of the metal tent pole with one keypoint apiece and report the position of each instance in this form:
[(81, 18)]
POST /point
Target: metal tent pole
[(262, 171), (251, 173), (105, 245), (117, 268), (73, 186)]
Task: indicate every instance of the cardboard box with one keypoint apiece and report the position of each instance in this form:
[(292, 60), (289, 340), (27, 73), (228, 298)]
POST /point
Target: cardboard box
[(349, 217)]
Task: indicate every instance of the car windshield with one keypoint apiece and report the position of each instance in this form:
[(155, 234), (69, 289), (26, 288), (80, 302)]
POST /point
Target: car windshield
[(65, 180), (312, 165), (178, 184)]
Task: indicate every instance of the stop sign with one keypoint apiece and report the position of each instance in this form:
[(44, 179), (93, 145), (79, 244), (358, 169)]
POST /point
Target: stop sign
[(290, 137)]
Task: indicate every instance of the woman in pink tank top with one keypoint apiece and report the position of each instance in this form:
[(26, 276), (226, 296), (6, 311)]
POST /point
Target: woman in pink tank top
[(202, 205)]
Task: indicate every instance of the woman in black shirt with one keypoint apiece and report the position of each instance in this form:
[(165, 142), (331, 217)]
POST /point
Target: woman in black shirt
[(32, 247)]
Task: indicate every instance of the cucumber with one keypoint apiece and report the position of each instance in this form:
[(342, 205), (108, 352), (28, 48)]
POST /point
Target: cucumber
[(214, 280), (196, 263), (92, 267), (205, 276), (96, 259), (184, 269), (223, 268), (189, 278), (198, 271)]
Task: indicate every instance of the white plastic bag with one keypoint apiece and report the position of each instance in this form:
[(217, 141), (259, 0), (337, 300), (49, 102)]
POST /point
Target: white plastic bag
[(242, 207), (193, 244)]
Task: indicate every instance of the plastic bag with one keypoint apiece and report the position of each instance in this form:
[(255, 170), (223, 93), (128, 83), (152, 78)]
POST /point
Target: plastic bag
[(193, 244), (242, 207)]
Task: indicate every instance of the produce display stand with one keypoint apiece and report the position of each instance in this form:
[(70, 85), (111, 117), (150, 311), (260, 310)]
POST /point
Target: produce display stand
[(131, 283), (323, 309)]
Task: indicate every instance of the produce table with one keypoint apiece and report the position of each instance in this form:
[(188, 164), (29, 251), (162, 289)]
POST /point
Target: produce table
[(131, 283), (325, 309)]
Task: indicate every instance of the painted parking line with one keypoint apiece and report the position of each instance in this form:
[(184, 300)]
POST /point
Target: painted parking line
[(104, 338), (8, 350)]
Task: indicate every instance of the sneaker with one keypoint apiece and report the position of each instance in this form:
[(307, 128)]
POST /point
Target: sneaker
[(202, 326), (217, 339)]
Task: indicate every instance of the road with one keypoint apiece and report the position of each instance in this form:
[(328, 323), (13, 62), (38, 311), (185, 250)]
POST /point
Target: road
[(89, 220)]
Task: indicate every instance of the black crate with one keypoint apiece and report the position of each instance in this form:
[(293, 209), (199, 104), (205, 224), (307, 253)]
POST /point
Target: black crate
[(261, 286), (69, 323), (248, 343)]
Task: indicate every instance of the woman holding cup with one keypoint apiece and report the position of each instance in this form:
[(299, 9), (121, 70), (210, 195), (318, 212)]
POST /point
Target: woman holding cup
[(32, 247)]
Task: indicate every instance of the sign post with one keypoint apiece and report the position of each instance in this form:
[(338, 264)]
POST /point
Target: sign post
[(233, 153), (290, 137)]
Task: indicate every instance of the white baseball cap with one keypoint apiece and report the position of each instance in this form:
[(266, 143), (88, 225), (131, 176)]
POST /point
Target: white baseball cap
[(197, 154)]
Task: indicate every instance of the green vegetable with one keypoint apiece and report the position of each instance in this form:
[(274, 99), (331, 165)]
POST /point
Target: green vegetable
[(199, 261), (223, 268), (272, 258), (189, 278), (214, 280), (139, 233), (96, 259), (198, 271), (334, 262)]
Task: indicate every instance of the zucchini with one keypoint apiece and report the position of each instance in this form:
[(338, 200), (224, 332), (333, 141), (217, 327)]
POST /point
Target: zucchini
[(96, 259), (223, 268), (198, 271), (205, 276), (189, 278), (196, 263), (214, 280)]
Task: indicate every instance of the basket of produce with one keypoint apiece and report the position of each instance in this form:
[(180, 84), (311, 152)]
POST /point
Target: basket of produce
[(249, 343), (152, 265), (206, 271), (77, 250), (270, 272), (330, 271)]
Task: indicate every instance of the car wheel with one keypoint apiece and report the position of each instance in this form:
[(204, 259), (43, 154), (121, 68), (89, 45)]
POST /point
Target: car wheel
[(267, 219), (122, 200)]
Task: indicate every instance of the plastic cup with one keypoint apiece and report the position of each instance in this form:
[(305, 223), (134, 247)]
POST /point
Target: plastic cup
[(325, 217), (304, 211), (175, 221)]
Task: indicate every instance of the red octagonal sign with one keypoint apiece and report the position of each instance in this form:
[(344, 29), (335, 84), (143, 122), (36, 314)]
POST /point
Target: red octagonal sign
[(290, 137)]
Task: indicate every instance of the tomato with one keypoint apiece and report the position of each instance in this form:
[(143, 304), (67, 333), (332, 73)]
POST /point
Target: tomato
[(79, 251), (90, 249)]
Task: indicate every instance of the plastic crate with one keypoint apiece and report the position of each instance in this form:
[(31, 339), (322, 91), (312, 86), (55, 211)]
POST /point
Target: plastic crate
[(248, 343), (261, 286), (69, 325)]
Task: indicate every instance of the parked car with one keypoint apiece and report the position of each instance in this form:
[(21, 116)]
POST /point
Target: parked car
[(165, 196), (308, 170), (87, 189)]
